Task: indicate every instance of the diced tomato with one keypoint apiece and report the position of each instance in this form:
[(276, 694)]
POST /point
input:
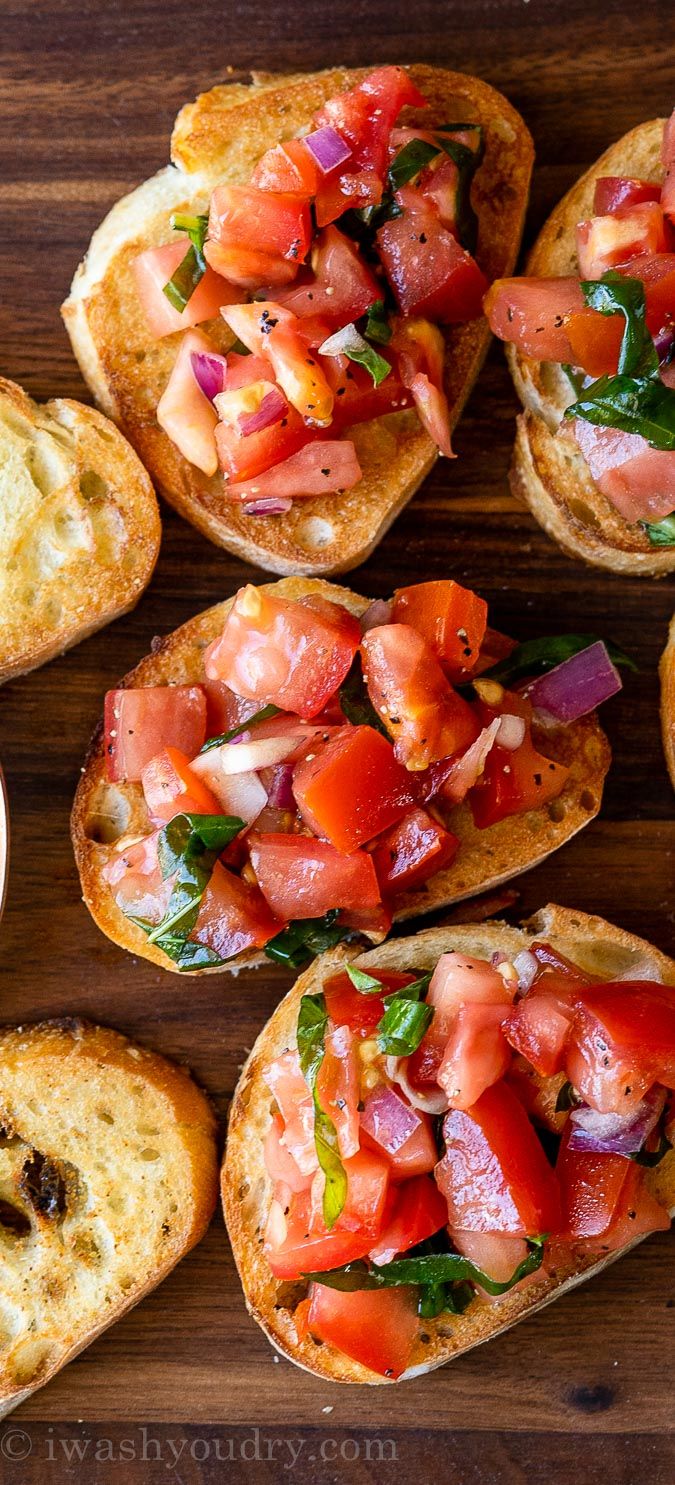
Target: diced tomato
[(374, 921), (279, 1163), (321, 467), (292, 654), (494, 1173), (638, 480), (412, 851), (243, 458), (352, 788), (615, 191), (256, 237), (450, 618), (539, 1025), (495, 646), (142, 720), (337, 1087), (595, 341), (538, 1094), (513, 780), (274, 333), (364, 117), (458, 980), (495, 1252), (421, 356), (532, 314), (307, 1245), (623, 1041), (668, 158), (429, 272), (375, 1327), (135, 880), (233, 916), (657, 273), (289, 168), (346, 1006), (419, 1212), (183, 411), (439, 183), (171, 788), (602, 242), (285, 1081), (304, 878), (356, 399), (224, 710), (605, 1201), (409, 691), (477, 1054), (152, 271), (342, 286), (418, 1155), (636, 1214)]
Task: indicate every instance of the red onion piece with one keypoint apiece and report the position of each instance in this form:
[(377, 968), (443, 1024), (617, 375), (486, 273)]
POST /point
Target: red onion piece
[(209, 372), (663, 341), (433, 1102), (388, 1120), (328, 148), (280, 791), (575, 687), (273, 505), (616, 1134), (271, 410), (527, 969), (378, 612)]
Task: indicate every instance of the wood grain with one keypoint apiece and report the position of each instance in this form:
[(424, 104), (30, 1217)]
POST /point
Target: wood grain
[(87, 99)]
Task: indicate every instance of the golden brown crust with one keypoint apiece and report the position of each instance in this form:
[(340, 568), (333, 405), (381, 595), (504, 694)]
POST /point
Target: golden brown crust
[(590, 942), (667, 677), (551, 475), (105, 812), (221, 135)]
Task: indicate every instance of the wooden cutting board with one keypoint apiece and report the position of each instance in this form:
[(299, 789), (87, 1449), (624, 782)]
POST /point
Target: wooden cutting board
[(87, 99)]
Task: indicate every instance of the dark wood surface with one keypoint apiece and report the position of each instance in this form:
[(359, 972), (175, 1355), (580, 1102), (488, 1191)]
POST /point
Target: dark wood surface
[(88, 94)]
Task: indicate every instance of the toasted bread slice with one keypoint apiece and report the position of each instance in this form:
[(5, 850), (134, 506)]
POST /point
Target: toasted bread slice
[(79, 527), (667, 676), (246, 1191), (105, 814), (220, 137), (108, 1176), (550, 474)]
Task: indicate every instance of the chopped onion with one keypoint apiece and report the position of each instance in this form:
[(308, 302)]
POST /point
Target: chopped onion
[(378, 612), (435, 1102), (465, 772), (616, 1134), (210, 373), (663, 342), (280, 793), (241, 794), (388, 1120), (272, 409), (274, 505), (343, 341), (511, 732), (576, 686), (244, 757), (328, 148), (527, 968)]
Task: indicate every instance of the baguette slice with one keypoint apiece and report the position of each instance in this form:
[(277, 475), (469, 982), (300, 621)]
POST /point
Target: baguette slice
[(667, 676), (108, 1175), (245, 1187), (105, 814), (79, 527), (220, 137), (550, 474)]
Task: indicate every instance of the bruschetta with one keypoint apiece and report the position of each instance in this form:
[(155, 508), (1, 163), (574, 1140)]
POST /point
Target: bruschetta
[(590, 333), (432, 1140), (286, 321), (297, 764)]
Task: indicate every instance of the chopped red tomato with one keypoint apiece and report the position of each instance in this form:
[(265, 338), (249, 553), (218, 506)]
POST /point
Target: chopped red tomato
[(337, 1087), (342, 286), (636, 1214), (135, 880), (539, 1025), (346, 1005), (495, 1252), (494, 1174), (409, 691), (450, 618), (532, 313), (623, 1041), (183, 411), (152, 271), (376, 1327), (421, 354), (603, 242), (274, 333), (142, 720), (256, 237), (224, 710), (418, 1155), (288, 168), (419, 1212), (458, 980), (306, 1245), (273, 650), (638, 480), (243, 456), (280, 1165), (412, 851), (285, 1081), (439, 183), (171, 788), (657, 273), (356, 399), (594, 341), (513, 780), (429, 272), (233, 916), (304, 878), (617, 191), (538, 1094), (352, 788), (322, 467), (606, 1203), (476, 1055), (364, 118)]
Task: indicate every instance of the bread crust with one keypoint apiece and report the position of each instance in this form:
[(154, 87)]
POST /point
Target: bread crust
[(245, 1188), (667, 678), (220, 136), (550, 474), (54, 1077), (486, 859), (79, 527)]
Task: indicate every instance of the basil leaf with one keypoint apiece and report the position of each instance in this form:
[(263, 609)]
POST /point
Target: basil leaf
[(409, 161), (225, 737), (311, 1032), (536, 656), (196, 226), (373, 217), (650, 1158), (467, 162), (435, 1299), (192, 267), (297, 944), (187, 954), (188, 848), (377, 326), (662, 533), (635, 405), (356, 703), (428, 1269), (348, 342), (406, 1019), (616, 294), (365, 984)]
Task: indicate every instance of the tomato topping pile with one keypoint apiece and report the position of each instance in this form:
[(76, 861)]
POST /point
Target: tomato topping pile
[(630, 238), (521, 1156), (334, 267), (335, 751)]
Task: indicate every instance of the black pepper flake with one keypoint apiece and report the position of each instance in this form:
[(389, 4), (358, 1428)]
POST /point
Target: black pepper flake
[(423, 236), (326, 472), (509, 315), (538, 780), (341, 391)]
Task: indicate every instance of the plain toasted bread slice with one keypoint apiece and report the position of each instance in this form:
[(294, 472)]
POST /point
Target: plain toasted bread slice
[(79, 527), (667, 677), (105, 814), (220, 137), (246, 1189), (549, 473), (108, 1176)]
